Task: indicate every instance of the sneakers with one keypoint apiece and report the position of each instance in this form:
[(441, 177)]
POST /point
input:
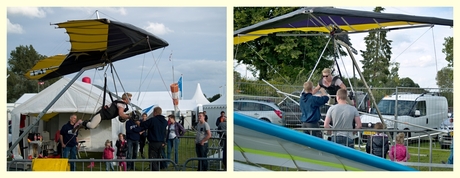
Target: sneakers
[(443, 162)]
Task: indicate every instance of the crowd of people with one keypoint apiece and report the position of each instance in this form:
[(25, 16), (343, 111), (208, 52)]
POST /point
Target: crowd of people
[(343, 117), (158, 132)]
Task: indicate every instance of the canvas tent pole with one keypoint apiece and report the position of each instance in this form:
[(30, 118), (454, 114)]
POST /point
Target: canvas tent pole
[(37, 120)]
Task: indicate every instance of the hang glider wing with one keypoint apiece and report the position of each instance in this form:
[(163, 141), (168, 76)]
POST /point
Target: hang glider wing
[(320, 19), (101, 40), (258, 142), (44, 67)]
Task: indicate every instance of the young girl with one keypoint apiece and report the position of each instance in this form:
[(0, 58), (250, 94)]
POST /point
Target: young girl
[(108, 154), (175, 130), (399, 152), (122, 148)]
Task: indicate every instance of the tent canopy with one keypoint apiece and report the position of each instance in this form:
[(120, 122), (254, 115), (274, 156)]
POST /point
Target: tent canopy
[(320, 19)]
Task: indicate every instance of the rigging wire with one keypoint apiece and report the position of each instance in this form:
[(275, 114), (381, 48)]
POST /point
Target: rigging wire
[(434, 47), (410, 45)]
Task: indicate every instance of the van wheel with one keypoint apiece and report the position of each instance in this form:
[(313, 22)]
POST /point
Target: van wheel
[(265, 119)]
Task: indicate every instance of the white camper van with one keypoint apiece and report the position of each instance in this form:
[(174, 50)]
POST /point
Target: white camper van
[(426, 110)]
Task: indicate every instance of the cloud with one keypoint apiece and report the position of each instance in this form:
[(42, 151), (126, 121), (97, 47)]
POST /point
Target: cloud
[(13, 28), (31, 12), (158, 28)]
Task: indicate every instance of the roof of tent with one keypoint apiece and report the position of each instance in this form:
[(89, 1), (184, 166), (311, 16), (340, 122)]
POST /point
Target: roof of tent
[(79, 98)]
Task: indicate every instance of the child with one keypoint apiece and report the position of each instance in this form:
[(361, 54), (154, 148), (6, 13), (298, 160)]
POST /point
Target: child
[(108, 154), (122, 148), (378, 144), (399, 152)]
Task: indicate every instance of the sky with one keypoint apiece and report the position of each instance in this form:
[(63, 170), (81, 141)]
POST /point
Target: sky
[(418, 50), (196, 36)]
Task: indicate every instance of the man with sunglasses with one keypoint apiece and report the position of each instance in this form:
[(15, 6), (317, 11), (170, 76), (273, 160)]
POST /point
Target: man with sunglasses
[(330, 83)]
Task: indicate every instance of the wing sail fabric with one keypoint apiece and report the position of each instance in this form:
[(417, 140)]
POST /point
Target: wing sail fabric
[(99, 41), (265, 143), (320, 19)]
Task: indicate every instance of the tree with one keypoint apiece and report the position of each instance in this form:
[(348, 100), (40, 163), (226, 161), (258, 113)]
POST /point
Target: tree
[(22, 59), (393, 78), (449, 50), (274, 56), (376, 58), (214, 98), (407, 82), (445, 78)]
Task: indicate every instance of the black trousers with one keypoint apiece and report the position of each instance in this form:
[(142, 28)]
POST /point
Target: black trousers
[(154, 153), (142, 144)]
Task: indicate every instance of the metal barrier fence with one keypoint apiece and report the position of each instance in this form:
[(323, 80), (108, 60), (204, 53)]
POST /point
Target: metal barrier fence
[(187, 158), (421, 146), (404, 115)]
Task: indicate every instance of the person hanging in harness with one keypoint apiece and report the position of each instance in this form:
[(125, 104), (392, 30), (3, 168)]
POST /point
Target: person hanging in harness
[(114, 109), (331, 84)]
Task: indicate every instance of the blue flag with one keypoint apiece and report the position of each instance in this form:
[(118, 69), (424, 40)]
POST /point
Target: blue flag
[(180, 85)]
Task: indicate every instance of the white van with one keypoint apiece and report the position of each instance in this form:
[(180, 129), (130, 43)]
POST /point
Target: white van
[(426, 110)]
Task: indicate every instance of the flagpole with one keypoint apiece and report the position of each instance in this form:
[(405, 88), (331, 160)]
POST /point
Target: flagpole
[(182, 87)]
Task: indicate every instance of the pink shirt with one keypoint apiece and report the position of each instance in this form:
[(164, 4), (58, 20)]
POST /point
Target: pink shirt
[(108, 153), (399, 152)]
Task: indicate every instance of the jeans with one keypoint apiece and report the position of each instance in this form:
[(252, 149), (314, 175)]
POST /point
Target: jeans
[(172, 143), (450, 160), (132, 152), (109, 165), (345, 141), (202, 152), (71, 153)]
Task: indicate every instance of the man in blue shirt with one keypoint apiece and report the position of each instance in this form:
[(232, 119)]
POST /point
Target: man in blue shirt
[(309, 105)]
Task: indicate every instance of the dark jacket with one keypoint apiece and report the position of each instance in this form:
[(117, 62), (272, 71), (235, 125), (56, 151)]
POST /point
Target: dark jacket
[(121, 150), (156, 128), (132, 130), (69, 138), (378, 145), (309, 105)]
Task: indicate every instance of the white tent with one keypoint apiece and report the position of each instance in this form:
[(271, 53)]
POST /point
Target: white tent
[(81, 98), (150, 99), (213, 110)]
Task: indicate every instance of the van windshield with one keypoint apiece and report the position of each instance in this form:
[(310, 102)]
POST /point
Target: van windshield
[(387, 107)]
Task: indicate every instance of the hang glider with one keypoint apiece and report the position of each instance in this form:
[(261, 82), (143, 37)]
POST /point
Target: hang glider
[(259, 142), (324, 19), (96, 41)]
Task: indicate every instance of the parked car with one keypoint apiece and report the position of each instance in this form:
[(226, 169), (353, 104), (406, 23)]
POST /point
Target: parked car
[(265, 111), (445, 140)]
